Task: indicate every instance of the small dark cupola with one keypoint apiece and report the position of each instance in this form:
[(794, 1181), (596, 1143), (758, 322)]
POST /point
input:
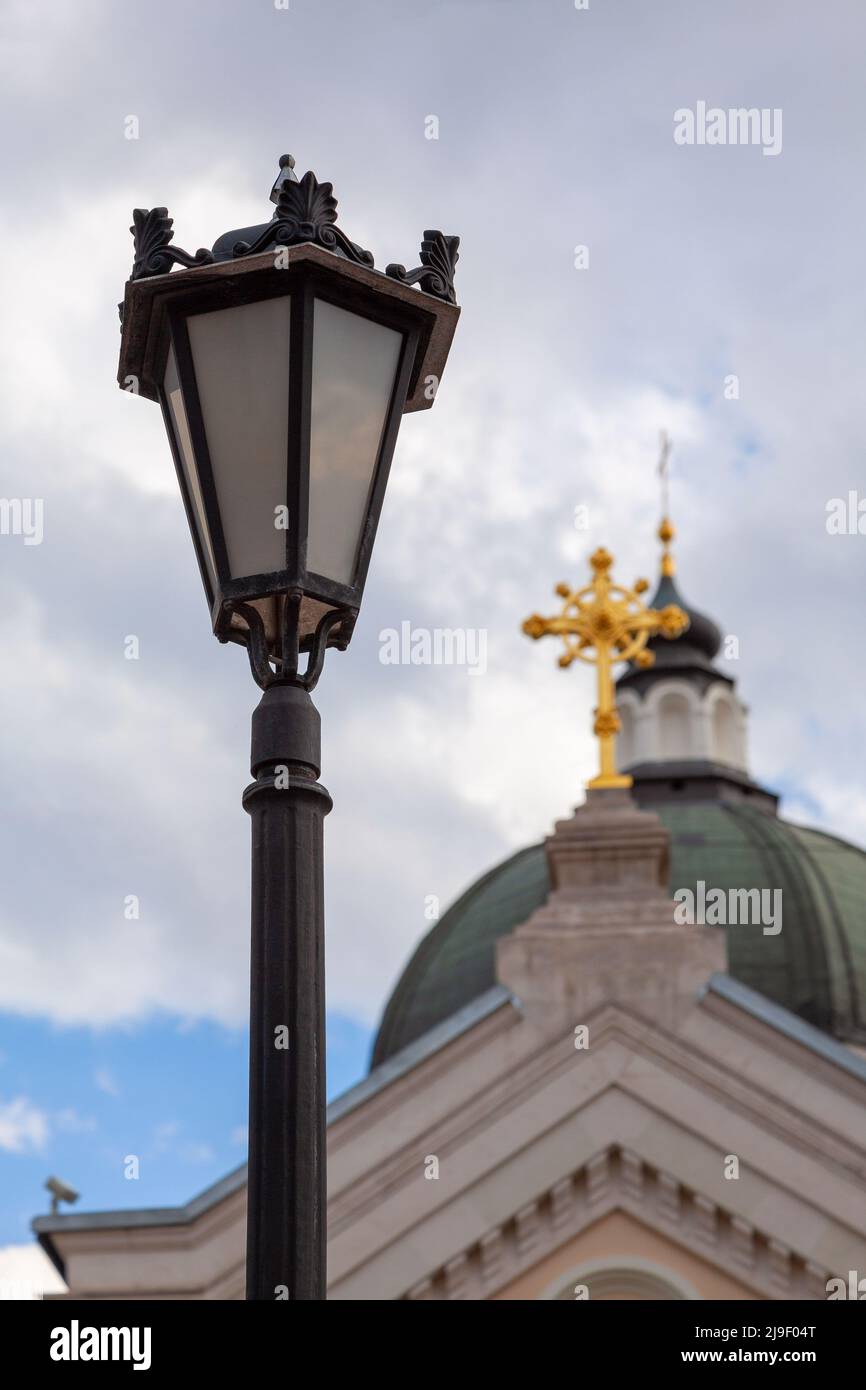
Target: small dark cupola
[(689, 656), (683, 724)]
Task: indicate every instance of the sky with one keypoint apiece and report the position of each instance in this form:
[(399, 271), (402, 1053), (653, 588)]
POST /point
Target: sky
[(613, 282)]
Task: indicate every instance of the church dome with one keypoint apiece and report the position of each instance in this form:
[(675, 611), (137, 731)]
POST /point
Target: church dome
[(815, 966), (683, 741)]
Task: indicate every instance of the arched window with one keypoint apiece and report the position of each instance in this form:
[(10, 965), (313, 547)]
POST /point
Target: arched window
[(675, 726), (627, 1279), (625, 745), (725, 741)]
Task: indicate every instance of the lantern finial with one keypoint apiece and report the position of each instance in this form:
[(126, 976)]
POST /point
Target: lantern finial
[(286, 175)]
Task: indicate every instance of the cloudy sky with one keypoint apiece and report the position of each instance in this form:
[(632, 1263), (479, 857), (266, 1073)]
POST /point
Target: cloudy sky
[(555, 130)]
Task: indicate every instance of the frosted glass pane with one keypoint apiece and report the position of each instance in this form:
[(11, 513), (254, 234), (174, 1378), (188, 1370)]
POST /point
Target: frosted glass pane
[(241, 359), (183, 442), (354, 368)]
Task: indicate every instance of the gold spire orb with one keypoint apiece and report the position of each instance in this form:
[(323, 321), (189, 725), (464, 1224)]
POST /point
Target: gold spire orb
[(601, 624), (666, 534)]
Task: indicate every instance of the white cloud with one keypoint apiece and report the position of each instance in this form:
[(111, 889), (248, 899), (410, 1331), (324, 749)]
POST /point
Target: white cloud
[(193, 1152), (23, 1126), (125, 779), (104, 1080), (70, 1122), (27, 1273)]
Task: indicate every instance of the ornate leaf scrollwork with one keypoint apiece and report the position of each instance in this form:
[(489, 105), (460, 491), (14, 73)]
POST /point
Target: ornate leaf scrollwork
[(321, 641), (435, 274), (152, 233), (267, 668), (307, 204), (256, 644), (306, 212)]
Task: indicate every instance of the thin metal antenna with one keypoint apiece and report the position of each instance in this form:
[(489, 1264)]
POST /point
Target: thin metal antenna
[(664, 457)]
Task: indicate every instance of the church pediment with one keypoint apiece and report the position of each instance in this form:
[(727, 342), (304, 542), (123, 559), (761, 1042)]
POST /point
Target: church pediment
[(643, 1121), (669, 1242)]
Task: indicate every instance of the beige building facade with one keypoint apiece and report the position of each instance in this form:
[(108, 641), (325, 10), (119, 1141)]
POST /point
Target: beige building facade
[(616, 1118)]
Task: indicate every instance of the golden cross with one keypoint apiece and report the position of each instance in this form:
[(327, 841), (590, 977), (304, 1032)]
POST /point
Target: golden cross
[(601, 624)]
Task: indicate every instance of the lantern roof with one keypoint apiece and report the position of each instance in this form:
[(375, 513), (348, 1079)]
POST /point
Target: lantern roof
[(302, 235), (146, 302)]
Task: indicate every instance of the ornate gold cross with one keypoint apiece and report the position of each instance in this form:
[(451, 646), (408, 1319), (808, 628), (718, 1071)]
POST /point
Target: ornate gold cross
[(601, 624)]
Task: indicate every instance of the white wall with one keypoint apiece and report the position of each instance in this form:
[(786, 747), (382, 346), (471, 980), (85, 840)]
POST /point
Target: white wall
[(674, 722)]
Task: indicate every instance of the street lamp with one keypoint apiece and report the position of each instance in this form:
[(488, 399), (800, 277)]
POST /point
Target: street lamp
[(283, 362)]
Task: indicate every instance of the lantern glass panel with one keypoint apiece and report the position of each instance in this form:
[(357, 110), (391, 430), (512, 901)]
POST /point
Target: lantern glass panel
[(183, 445), (241, 361), (355, 364)]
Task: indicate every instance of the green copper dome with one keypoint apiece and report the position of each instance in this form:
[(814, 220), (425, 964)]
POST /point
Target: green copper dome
[(815, 966)]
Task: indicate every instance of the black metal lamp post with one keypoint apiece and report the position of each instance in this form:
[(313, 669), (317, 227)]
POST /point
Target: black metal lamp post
[(283, 362)]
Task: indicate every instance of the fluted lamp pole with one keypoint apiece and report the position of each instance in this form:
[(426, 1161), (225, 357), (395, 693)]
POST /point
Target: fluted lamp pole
[(283, 362)]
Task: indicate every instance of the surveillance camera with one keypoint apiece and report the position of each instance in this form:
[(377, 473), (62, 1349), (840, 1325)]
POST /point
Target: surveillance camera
[(60, 1192)]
